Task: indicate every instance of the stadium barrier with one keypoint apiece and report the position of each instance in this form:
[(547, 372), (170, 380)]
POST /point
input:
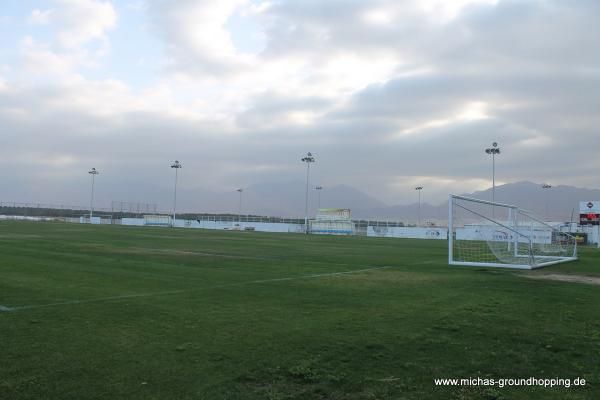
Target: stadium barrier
[(126, 215), (225, 225), (408, 232), (30, 218), (374, 230), (362, 228)]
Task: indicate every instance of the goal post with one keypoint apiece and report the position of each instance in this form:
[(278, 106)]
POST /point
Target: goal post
[(490, 234)]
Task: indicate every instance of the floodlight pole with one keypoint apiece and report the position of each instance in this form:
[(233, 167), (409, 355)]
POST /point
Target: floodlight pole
[(419, 188), (240, 190), (546, 186), (177, 165), (493, 151), (92, 172), (450, 229), (318, 189), (307, 159)]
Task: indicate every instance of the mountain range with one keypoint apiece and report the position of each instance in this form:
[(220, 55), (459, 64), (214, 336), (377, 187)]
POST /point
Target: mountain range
[(288, 199)]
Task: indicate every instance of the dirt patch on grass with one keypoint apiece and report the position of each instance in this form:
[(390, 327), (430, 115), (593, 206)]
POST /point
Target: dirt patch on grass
[(142, 250), (137, 250), (590, 280)]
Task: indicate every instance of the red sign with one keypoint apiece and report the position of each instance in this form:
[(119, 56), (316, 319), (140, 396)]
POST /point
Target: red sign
[(589, 219)]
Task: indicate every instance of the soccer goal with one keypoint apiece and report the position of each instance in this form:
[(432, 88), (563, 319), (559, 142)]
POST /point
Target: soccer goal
[(488, 234)]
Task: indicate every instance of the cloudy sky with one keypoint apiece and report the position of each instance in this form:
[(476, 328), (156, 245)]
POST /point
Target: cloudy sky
[(388, 94)]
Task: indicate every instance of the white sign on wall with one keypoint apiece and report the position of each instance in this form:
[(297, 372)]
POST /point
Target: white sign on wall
[(408, 232), (589, 212), (589, 207)]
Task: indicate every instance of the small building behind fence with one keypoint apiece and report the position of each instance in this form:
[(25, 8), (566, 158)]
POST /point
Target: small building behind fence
[(157, 220), (332, 221)]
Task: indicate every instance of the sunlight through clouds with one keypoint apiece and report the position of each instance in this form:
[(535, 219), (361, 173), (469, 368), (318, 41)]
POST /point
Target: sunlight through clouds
[(236, 81)]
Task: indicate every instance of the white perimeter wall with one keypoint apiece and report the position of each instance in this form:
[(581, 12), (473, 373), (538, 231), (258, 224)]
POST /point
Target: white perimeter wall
[(462, 233), (133, 221), (396, 232), (26, 218), (94, 220), (486, 232), (226, 225), (408, 232), (593, 234)]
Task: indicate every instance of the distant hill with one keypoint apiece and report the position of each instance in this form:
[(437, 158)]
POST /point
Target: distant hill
[(554, 204), (287, 199), (561, 200)]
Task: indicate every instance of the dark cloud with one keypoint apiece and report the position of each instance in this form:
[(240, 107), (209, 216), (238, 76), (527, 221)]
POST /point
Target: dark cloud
[(532, 68)]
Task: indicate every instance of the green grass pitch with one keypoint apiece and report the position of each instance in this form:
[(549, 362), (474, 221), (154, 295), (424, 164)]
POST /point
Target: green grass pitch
[(112, 312)]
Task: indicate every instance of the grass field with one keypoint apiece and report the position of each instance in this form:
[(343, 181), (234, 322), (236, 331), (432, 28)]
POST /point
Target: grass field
[(111, 312)]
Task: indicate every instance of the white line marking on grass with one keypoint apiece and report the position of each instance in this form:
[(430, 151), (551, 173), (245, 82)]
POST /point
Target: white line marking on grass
[(196, 253), (124, 296), (291, 278), (241, 257), (210, 253), (132, 296), (4, 308)]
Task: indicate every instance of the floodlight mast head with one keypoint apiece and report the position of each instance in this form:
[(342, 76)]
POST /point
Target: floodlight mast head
[(494, 150), (308, 159)]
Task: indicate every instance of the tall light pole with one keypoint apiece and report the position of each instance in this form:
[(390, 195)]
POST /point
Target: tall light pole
[(494, 150), (175, 165), (308, 159), (240, 190), (318, 189), (546, 186), (92, 172), (419, 188)]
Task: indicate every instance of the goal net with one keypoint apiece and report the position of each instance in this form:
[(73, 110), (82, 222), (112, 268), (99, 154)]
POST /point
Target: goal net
[(484, 233)]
